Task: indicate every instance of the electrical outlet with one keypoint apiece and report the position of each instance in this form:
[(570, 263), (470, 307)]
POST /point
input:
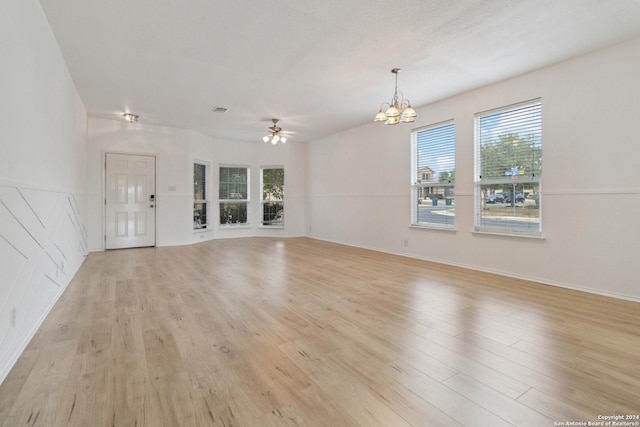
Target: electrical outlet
[(406, 243), (12, 317)]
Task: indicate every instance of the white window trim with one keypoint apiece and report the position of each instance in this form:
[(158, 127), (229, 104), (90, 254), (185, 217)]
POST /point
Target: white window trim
[(245, 201), (207, 199), (262, 201)]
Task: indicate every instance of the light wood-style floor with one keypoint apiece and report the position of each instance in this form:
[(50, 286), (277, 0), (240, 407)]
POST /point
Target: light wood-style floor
[(298, 332)]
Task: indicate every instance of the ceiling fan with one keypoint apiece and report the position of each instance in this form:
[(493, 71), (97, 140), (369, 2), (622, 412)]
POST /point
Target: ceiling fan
[(129, 117), (275, 134)]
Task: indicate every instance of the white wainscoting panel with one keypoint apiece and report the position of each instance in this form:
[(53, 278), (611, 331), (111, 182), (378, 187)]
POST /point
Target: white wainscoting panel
[(43, 242)]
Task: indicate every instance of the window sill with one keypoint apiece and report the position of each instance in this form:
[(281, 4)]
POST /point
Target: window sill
[(233, 226), (505, 234), (432, 227), (272, 227), (201, 230)]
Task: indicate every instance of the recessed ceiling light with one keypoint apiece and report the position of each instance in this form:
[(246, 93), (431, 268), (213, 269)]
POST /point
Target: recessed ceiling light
[(219, 109)]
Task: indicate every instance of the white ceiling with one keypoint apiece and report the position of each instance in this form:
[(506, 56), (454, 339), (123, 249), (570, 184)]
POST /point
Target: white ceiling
[(320, 66)]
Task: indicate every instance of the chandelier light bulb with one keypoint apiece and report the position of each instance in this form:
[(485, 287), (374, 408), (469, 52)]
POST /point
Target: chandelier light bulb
[(392, 112), (409, 112)]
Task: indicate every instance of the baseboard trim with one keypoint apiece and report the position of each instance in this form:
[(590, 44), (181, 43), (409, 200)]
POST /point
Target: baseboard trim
[(539, 280)]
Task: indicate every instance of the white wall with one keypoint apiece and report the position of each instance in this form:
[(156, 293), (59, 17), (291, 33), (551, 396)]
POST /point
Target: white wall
[(359, 180), (42, 176), (175, 150)]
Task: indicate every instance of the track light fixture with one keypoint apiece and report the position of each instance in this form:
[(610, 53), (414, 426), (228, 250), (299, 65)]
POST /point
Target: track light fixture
[(397, 111)]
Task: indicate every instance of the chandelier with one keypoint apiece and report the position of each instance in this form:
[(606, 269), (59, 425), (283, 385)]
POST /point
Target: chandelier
[(274, 134), (397, 111)]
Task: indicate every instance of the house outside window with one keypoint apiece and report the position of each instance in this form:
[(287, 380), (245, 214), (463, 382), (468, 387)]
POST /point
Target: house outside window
[(272, 198), (508, 149), (433, 176), (200, 195), (233, 195)]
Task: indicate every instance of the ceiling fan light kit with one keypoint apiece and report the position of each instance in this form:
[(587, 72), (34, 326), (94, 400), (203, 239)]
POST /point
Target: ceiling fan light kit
[(273, 135), (397, 111), (131, 118)]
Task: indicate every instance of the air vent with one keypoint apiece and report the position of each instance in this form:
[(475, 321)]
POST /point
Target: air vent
[(219, 109)]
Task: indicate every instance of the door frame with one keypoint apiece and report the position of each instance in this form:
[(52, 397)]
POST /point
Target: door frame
[(103, 193)]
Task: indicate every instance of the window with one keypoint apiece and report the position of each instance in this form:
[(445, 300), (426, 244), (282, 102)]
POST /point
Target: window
[(509, 169), (233, 195), (200, 195), (272, 201), (433, 175)]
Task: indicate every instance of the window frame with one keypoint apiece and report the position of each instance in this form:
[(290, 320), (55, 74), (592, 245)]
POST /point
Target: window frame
[(419, 186), (517, 176), (233, 202), (206, 193), (264, 201)]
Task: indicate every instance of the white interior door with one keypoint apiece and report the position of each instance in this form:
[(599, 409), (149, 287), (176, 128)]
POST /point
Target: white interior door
[(130, 201)]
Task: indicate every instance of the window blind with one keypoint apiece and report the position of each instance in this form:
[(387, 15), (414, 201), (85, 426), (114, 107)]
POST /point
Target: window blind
[(233, 183), (511, 143), (199, 181), (433, 176), (509, 169)]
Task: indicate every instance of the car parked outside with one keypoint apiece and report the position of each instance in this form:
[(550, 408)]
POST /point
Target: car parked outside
[(519, 197), (494, 198)]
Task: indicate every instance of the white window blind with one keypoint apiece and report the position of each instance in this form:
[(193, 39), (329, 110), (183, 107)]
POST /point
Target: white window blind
[(509, 169), (433, 176)]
